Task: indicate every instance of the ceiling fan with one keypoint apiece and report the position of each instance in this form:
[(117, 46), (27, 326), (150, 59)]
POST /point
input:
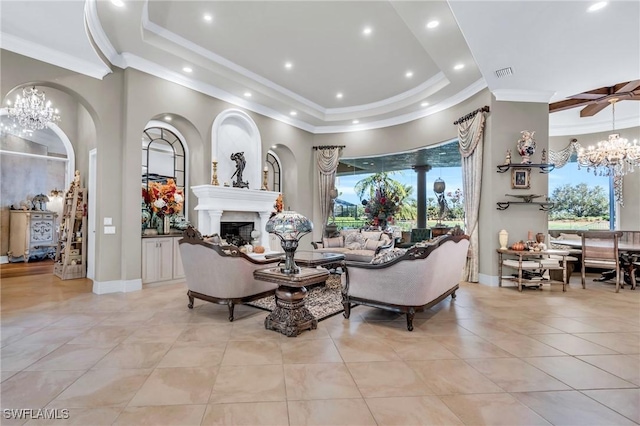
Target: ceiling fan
[(596, 100)]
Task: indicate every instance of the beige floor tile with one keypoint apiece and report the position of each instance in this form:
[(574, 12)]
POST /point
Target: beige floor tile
[(171, 317), (128, 318), (365, 350), (12, 334), (253, 331), (624, 401), (193, 354), (134, 355), (528, 327), (309, 351), (319, 381), (35, 389), (515, 375), (452, 376), (176, 386), (375, 314), (102, 335), (52, 335), (571, 408), (385, 379), (488, 328), (206, 333), (613, 325), (82, 320), (471, 347), (572, 345), (624, 343), (102, 388), (626, 367), (578, 374), (5, 374), (336, 412), (248, 383), (247, 414), (81, 417), (71, 357), (174, 415), (419, 349), (521, 346), (417, 410), (19, 356), (442, 328), (570, 325), (492, 409), (164, 334), (352, 328), (252, 353)]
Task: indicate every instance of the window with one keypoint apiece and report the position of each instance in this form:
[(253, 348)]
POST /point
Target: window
[(273, 164), (163, 157)]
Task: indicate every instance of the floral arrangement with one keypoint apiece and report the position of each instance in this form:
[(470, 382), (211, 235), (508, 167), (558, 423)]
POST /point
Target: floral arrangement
[(164, 199), (382, 207)]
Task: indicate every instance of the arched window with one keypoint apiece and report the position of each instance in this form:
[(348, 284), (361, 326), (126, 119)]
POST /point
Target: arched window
[(273, 163), (163, 157)]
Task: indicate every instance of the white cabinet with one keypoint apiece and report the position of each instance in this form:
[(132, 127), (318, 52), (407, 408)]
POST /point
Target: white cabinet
[(161, 259), (31, 233)]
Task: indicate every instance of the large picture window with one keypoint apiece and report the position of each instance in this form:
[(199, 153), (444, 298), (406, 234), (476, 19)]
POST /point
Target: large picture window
[(274, 173), (163, 157)]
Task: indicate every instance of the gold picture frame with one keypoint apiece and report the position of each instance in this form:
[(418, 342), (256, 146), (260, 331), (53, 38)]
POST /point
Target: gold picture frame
[(520, 178)]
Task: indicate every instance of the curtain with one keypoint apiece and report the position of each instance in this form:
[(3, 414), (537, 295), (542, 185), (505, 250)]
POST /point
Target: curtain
[(470, 138), (560, 158), (327, 161)]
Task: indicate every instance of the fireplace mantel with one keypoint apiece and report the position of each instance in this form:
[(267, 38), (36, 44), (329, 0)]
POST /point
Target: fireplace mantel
[(213, 201)]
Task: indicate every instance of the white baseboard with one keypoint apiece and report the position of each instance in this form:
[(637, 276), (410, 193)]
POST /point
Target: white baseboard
[(4, 259), (490, 280), (117, 286)]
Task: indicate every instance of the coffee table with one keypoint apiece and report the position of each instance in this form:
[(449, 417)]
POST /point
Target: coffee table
[(290, 316), (313, 259)]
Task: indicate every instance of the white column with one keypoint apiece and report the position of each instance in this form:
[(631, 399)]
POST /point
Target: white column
[(264, 235), (214, 222)]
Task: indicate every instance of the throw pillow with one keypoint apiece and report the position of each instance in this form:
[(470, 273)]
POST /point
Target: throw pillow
[(353, 246), (332, 242), (372, 244), (388, 255), (371, 235), (354, 237), (346, 232)]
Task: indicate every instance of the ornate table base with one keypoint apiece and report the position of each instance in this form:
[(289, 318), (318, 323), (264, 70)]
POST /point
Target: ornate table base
[(290, 316)]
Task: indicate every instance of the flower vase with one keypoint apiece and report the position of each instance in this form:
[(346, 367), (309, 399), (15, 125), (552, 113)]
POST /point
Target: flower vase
[(166, 224), (503, 238)]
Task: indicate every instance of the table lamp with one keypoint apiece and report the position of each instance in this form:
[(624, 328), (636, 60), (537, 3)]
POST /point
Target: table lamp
[(289, 226)]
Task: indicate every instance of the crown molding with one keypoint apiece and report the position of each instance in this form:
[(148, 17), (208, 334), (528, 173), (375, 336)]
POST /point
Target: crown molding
[(53, 56), (99, 36), (516, 95), (597, 127)]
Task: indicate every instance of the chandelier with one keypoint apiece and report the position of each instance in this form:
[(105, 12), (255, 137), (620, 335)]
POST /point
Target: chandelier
[(31, 111), (613, 157)]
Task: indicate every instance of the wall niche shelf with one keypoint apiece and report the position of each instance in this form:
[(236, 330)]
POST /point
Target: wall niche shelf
[(526, 199), (544, 167)]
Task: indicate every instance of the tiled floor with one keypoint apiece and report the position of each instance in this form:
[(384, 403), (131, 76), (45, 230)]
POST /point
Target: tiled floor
[(494, 356)]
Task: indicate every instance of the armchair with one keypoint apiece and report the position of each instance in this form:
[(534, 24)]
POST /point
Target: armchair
[(419, 279), (221, 274)]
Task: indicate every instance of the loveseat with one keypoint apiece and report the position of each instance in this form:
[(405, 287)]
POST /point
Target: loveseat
[(221, 274), (408, 281), (357, 245)]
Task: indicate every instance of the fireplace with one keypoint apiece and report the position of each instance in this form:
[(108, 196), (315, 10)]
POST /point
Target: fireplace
[(236, 233)]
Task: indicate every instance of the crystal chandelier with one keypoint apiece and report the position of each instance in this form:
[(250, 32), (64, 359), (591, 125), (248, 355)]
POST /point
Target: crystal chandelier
[(31, 111), (613, 157)]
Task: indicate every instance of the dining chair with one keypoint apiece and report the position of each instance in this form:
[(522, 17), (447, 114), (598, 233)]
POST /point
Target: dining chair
[(600, 250)]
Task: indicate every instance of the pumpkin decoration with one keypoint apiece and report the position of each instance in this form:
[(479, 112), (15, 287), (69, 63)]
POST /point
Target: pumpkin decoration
[(258, 249), (519, 246)]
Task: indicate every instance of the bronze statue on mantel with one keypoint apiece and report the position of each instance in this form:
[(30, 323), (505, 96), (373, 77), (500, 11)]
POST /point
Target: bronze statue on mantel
[(238, 157)]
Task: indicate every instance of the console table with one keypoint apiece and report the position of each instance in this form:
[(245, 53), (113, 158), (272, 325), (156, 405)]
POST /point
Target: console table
[(290, 316), (532, 260)]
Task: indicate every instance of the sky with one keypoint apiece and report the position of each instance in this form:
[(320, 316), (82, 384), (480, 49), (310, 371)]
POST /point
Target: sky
[(452, 177)]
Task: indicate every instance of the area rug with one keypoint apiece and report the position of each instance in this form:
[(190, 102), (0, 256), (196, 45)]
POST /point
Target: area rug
[(322, 301)]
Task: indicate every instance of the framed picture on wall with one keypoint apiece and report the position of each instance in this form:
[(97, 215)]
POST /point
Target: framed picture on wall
[(520, 179)]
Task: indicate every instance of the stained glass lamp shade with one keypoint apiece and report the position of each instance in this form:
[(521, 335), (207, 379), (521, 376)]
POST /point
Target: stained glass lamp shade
[(289, 227)]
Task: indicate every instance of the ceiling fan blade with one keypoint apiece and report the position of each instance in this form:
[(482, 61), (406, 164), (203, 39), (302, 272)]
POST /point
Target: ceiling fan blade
[(593, 109), (589, 96), (629, 87)]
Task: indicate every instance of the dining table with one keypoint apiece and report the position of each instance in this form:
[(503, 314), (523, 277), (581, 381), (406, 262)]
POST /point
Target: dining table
[(629, 254)]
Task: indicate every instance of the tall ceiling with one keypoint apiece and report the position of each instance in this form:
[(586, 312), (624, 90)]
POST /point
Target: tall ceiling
[(554, 49)]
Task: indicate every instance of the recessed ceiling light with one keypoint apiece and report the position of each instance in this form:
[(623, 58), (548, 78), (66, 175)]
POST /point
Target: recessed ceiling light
[(118, 3), (293, 113), (409, 74), (355, 121), (288, 65), (207, 17), (597, 6), (339, 95), (274, 146), (187, 69), (367, 30), (167, 117), (458, 67), (424, 104), (247, 94), (432, 24)]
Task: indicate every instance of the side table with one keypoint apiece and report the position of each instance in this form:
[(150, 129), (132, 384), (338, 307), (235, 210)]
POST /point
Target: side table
[(534, 263), (290, 316)]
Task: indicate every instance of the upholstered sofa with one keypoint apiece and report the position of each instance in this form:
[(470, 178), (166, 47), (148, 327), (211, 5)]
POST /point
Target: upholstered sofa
[(356, 245), (416, 280), (221, 274)]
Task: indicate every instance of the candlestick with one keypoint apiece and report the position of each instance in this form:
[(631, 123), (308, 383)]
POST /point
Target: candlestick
[(265, 179), (214, 177)]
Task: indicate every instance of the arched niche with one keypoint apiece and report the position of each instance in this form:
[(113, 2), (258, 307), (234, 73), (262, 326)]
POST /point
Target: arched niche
[(234, 131)]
